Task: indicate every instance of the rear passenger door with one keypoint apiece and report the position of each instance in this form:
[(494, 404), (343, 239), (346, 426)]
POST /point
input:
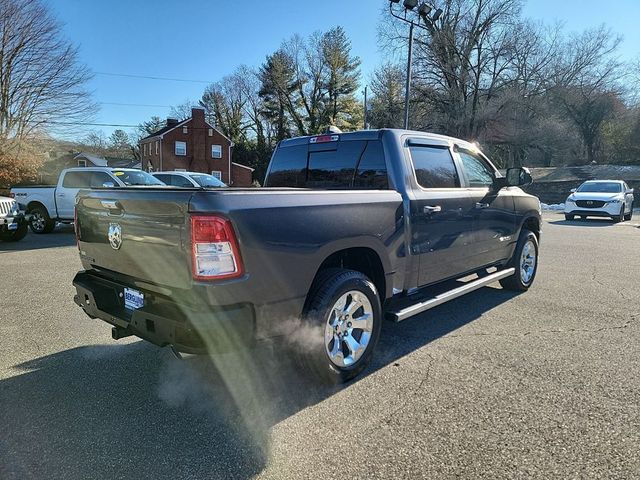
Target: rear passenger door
[(72, 183), (494, 221), (441, 213)]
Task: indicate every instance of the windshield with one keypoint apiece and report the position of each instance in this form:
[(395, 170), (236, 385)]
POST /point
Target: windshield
[(600, 187), (208, 181), (135, 178)]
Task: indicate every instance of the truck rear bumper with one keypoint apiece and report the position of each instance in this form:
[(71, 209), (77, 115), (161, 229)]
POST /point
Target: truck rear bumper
[(161, 321)]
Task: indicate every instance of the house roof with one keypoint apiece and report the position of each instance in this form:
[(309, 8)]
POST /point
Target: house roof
[(115, 162), (168, 128)]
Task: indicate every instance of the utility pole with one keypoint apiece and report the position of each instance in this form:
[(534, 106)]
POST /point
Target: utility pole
[(365, 107), (407, 88)]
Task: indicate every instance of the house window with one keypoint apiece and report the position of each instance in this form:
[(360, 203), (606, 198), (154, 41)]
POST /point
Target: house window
[(185, 130), (216, 151), (157, 142), (217, 174), (211, 132), (82, 163), (181, 148), (144, 148)]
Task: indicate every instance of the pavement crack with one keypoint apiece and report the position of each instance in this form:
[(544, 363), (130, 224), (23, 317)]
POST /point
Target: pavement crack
[(412, 393)]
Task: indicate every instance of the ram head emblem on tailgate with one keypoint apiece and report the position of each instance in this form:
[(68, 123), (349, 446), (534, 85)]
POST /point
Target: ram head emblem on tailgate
[(115, 236)]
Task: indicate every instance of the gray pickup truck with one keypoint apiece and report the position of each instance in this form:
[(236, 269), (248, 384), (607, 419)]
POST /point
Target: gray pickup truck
[(350, 228)]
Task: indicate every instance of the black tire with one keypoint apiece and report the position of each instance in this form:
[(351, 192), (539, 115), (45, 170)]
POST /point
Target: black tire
[(568, 217), (629, 215), (619, 218), (15, 235), (516, 282), (328, 288), (40, 221)]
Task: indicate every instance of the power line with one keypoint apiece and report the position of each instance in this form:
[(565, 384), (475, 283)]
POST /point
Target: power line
[(149, 77), (134, 104)]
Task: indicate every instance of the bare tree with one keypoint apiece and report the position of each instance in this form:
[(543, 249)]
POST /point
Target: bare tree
[(42, 84)]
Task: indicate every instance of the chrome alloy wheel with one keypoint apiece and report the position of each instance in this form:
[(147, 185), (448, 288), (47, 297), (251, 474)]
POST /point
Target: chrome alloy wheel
[(37, 221), (348, 329), (528, 261)]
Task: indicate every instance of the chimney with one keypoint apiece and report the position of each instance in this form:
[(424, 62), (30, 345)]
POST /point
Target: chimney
[(171, 122), (197, 114)]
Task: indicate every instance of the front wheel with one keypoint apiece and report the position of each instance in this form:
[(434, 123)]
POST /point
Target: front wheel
[(14, 235), (525, 261), (629, 215), (345, 316), (620, 217)]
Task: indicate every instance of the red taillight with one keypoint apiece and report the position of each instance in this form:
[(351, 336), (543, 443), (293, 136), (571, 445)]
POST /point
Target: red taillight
[(324, 139), (215, 253)]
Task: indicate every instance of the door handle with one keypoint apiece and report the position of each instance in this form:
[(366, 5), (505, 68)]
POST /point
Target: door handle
[(482, 205), (61, 194), (432, 208)]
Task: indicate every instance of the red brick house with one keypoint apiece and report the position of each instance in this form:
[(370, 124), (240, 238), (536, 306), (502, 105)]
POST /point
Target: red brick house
[(196, 146)]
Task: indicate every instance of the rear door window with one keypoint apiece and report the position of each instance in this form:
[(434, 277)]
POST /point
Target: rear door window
[(434, 167), (77, 180)]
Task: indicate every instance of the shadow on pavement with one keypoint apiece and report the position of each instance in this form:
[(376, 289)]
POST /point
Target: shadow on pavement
[(589, 222), (62, 236), (133, 411)]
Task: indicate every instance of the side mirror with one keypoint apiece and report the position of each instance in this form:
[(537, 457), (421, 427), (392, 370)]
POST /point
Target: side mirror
[(108, 184), (573, 190), (630, 191), (518, 177)]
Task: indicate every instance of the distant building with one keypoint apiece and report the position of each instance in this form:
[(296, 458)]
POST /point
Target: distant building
[(85, 159), (193, 145)]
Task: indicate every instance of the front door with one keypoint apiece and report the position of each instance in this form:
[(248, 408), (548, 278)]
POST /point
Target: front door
[(441, 221), (494, 220)]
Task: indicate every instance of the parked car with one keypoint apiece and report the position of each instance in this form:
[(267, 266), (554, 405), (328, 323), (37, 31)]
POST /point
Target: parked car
[(376, 218), (48, 204), (13, 221), (600, 198), (189, 179)]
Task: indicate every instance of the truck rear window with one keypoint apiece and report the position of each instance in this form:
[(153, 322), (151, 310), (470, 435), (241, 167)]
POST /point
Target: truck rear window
[(348, 164)]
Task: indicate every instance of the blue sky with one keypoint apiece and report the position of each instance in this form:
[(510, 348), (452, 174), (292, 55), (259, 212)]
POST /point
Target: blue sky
[(204, 40)]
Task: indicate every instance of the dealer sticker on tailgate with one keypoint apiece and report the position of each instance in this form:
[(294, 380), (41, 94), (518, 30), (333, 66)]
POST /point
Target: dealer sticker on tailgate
[(133, 299)]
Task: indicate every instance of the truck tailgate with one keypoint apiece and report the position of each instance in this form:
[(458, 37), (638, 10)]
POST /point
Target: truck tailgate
[(153, 231)]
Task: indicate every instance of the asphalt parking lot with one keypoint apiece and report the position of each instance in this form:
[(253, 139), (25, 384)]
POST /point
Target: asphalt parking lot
[(493, 385)]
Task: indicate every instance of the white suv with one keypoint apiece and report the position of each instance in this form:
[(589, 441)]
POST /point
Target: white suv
[(600, 198)]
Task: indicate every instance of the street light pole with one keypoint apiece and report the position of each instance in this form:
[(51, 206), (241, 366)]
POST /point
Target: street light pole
[(424, 13), (407, 87)]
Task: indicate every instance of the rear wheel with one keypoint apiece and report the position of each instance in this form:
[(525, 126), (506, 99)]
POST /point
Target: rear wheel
[(345, 317), (14, 235), (40, 221), (525, 261)]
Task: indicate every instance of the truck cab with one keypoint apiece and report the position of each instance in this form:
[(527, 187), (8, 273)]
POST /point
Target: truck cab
[(50, 204)]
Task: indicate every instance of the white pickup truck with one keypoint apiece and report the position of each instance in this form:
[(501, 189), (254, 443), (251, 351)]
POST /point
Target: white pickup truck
[(49, 204)]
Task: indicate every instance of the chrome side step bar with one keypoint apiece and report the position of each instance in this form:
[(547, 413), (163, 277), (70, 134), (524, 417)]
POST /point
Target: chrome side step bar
[(450, 295)]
